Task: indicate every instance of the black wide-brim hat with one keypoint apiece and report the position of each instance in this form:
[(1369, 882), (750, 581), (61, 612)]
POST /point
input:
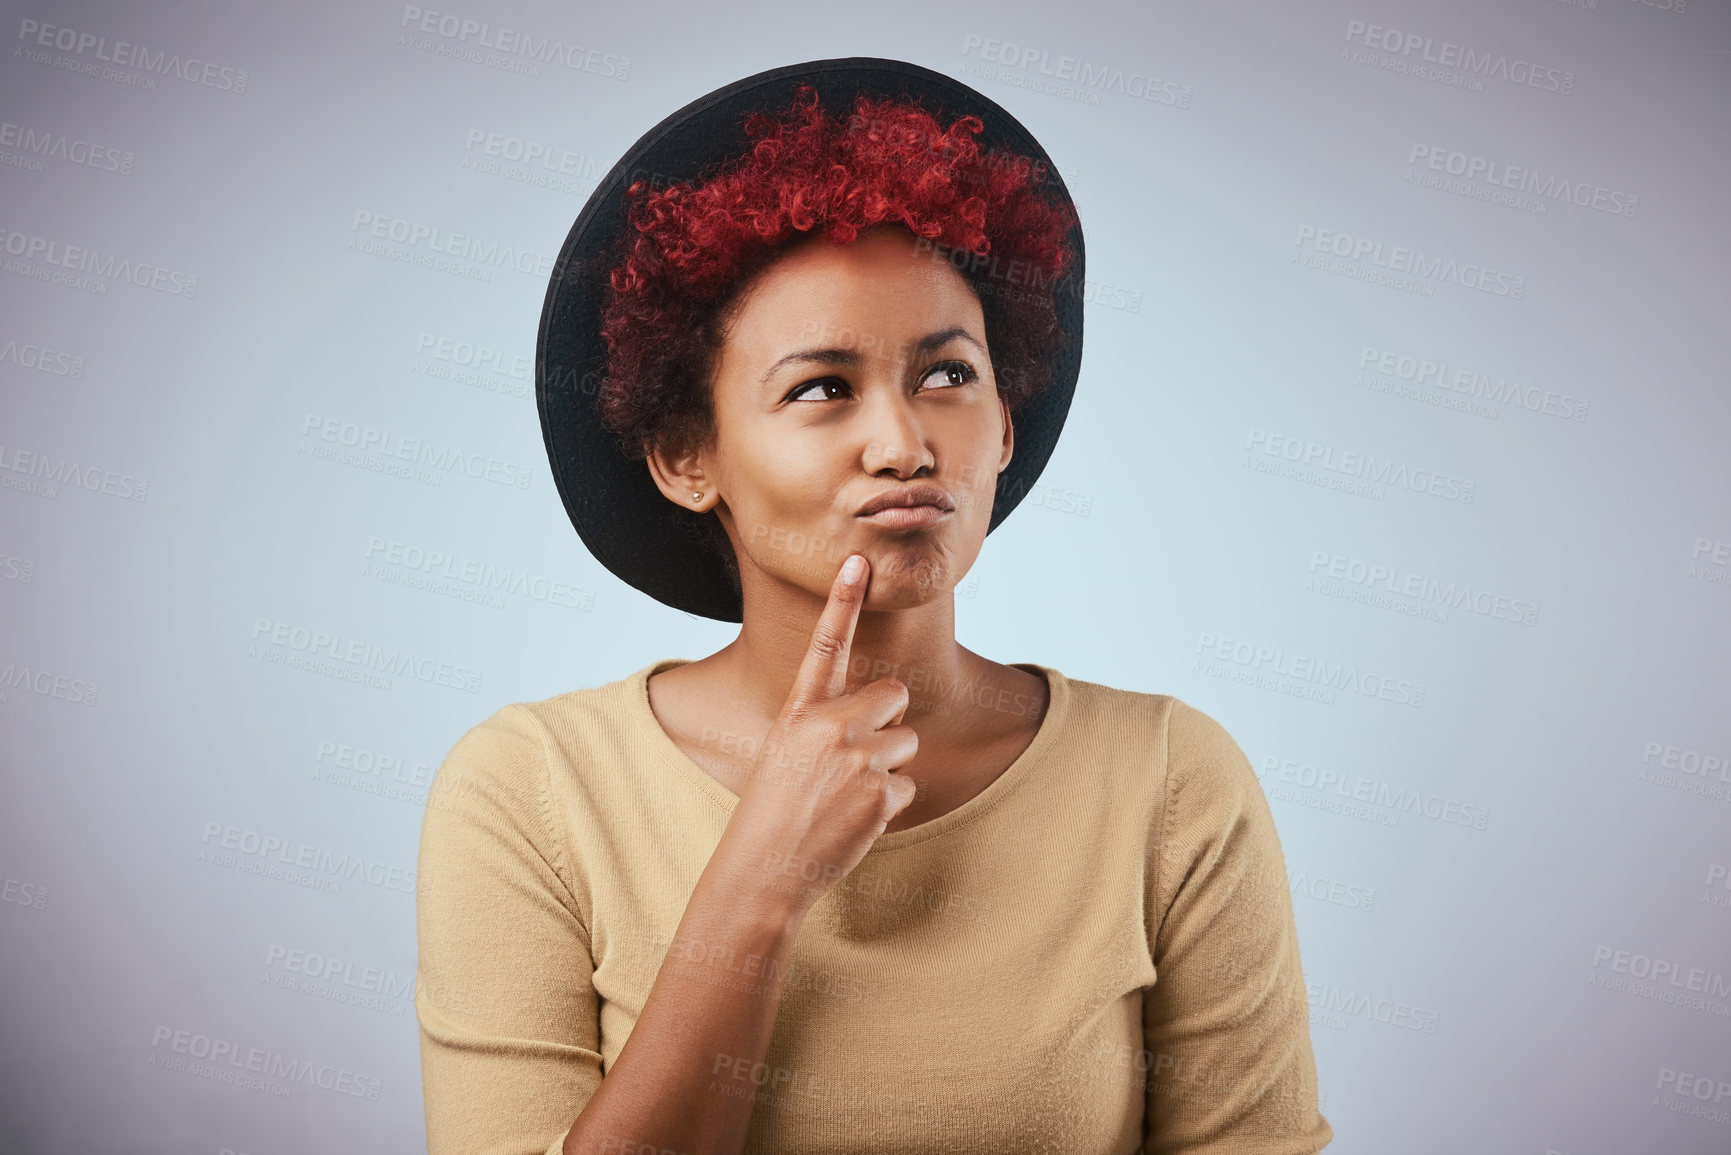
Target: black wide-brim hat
[(624, 519)]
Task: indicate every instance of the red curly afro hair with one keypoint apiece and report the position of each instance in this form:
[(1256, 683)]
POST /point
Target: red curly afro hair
[(688, 249)]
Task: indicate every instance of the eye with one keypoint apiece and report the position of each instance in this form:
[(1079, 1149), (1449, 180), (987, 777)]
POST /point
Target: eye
[(821, 382), (955, 372)]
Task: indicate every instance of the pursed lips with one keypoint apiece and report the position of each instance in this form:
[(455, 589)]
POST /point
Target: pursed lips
[(927, 502)]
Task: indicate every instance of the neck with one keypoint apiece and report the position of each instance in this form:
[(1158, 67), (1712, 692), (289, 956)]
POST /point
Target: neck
[(916, 645)]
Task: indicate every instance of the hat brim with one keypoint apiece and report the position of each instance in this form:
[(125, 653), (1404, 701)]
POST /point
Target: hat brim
[(622, 517)]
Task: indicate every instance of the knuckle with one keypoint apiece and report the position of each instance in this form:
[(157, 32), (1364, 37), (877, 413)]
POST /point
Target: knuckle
[(798, 716), (825, 644)]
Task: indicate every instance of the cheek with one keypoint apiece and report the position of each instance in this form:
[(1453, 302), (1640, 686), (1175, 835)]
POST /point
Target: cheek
[(978, 479), (776, 476), (776, 491)]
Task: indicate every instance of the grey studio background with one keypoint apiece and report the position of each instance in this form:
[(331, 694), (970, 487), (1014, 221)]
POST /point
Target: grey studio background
[(1400, 448)]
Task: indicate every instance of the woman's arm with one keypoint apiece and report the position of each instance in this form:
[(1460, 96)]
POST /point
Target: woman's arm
[(685, 1079), (1227, 1023), (509, 1017), (510, 1046), (820, 793), (509, 1014)]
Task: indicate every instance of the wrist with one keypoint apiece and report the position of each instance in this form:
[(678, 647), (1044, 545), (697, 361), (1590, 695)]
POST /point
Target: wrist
[(746, 875)]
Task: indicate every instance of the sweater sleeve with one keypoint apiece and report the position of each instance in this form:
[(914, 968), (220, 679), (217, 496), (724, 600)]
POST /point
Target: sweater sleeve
[(1226, 1023), (508, 1016)]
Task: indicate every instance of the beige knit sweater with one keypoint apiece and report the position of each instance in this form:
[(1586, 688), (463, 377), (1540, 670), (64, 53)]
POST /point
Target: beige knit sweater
[(1095, 955)]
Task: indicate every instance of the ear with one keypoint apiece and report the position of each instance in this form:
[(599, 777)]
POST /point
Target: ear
[(1009, 435), (680, 475)]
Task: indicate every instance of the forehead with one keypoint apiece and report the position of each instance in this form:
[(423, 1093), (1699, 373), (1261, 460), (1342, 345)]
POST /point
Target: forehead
[(884, 285)]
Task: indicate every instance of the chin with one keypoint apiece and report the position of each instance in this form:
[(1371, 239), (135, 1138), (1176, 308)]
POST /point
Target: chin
[(905, 578)]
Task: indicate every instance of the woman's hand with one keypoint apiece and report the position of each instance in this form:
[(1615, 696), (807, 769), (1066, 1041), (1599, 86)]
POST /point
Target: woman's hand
[(823, 788), (821, 791)]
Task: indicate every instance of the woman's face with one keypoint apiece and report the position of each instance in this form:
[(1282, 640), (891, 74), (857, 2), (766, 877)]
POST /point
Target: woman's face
[(849, 372)]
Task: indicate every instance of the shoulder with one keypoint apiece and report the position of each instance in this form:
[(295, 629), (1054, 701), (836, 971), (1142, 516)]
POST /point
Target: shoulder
[(1196, 741), (494, 777), (1182, 763), (494, 808), (1208, 773), (1202, 776), (1190, 743), (527, 729), (1217, 817), (508, 754), (1133, 716)]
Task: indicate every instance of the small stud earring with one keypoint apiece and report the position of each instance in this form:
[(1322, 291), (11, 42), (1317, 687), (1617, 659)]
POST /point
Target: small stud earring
[(697, 495)]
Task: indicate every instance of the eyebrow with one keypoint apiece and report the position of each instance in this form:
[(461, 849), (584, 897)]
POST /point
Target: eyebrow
[(851, 359)]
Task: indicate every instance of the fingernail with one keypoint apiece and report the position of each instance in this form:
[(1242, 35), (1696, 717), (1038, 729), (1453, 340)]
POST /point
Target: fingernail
[(852, 568)]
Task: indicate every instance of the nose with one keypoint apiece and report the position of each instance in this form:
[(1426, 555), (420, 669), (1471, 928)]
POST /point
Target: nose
[(894, 440)]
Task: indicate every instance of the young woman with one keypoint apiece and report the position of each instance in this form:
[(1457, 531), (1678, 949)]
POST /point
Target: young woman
[(843, 885)]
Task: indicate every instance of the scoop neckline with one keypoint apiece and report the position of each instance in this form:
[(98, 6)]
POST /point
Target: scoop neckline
[(1057, 714)]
